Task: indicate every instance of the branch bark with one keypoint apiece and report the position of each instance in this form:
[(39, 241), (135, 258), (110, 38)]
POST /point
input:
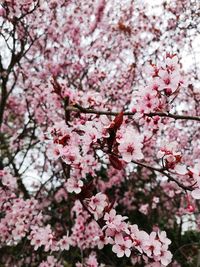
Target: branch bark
[(78, 108)]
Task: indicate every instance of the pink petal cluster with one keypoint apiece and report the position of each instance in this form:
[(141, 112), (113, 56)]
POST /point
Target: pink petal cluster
[(125, 237), (172, 158), (19, 217), (91, 261), (83, 233), (97, 204), (43, 236), (50, 262), (85, 104), (130, 145), (164, 80), (8, 180), (195, 172), (74, 185)]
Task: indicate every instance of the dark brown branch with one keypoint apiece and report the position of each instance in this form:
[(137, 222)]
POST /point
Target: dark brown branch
[(78, 108), (20, 182), (163, 172), (174, 116)]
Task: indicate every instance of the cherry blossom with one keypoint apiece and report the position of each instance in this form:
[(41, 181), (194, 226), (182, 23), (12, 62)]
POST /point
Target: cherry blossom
[(168, 81), (122, 248), (130, 145), (74, 186), (97, 205), (195, 172), (99, 139), (64, 243), (172, 158), (8, 180)]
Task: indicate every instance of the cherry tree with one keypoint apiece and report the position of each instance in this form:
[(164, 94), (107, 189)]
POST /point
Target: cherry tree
[(100, 144)]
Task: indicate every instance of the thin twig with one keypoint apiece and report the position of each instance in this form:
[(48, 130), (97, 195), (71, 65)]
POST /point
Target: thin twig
[(163, 171)]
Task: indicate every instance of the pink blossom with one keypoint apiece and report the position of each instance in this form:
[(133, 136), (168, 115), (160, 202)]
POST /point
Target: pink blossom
[(43, 236), (70, 155), (92, 261), (8, 180), (168, 81), (165, 257), (115, 223), (152, 247), (97, 204), (163, 238), (195, 171), (172, 158), (144, 209), (130, 145), (122, 246), (74, 185), (50, 262), (64, 243), (171, 62)]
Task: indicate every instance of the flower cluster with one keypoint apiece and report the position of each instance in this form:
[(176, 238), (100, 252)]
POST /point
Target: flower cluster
[(8, 180), (44, 236), (84, 112), (164, 80), (83, 232), (91, 261), (78, 146), (125, 237), (97, 204), (20, 215), (50, 262), (172, 158), (195, 173)]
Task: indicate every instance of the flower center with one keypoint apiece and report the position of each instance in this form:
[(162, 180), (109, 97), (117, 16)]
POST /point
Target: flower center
[(130, 149)]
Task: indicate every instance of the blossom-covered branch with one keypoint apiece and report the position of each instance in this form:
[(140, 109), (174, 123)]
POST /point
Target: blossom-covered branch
[(99, 140), (78, 108)]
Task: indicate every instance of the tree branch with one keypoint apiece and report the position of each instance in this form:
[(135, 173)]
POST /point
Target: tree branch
[(163, 172), (78, 108)]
